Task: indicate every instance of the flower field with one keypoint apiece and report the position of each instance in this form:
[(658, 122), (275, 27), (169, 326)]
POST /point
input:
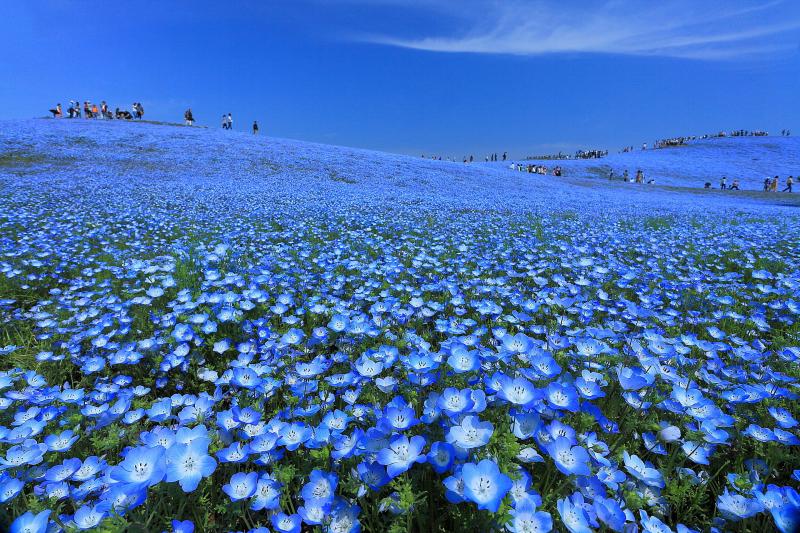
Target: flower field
[(210, 332)]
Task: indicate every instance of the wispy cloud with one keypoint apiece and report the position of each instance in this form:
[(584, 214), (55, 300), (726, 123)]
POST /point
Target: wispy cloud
[(711, 30)]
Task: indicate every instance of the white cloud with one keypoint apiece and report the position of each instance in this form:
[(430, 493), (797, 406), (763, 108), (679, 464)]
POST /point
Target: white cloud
[(713, 30)]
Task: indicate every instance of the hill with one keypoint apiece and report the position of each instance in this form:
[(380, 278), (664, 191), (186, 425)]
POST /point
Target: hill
[(240, 332)]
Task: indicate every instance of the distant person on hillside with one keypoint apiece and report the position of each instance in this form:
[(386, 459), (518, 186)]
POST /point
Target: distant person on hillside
[(230, 121), (505, 156), (639, 176), (255, 127), (140, 109), (95, 111), (224, 121), (724, 183), (471, 159), (86, 111), (188, 117), (735, 186), (767, 183), (611, 175), (625, 176), (789, 183), (135, 110), (57, 111), (707, 185), (774, 185)]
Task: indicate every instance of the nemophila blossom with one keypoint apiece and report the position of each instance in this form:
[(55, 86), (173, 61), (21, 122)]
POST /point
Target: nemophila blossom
[(184, 526), (484, 484), (373, 475), (189, 463), (241, 485), (267, 494), (9, 488), (526, 519), (569, 459), (562, 396), (518, 391), (31, 523), (87, 517), (573, 515), (643, 471), (321, 486), (783, 417), (738, 507), (141, 466), (401, 454), (441, 456), (470, 433)]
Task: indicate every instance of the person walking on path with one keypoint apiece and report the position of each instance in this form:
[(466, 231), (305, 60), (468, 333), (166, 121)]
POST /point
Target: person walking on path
[(224, 121), (255, 127), (774, 185), (188, 117), (724, 183), (789, 183), (230, 121), (57, 111)]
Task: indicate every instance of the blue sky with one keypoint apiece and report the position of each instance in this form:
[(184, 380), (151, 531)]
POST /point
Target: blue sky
[(451, 77)]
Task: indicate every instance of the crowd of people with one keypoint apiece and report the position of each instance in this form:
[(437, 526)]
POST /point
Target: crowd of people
[(92, 110), (673, 142), (590, 154), (536, 169)]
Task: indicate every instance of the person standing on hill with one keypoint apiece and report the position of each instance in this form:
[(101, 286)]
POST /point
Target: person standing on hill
[(57, 111), (724, 183), (255, 127), (789, 183), (230, 121), (774, 185), (188, 117)]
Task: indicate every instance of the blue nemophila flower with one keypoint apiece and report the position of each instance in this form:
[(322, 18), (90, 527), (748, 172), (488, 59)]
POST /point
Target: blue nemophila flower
[(609, 512), (189, 463), (321, 486), (87, 517), (31, 523), (569, 459), (562, 396), (485, 485), (470, 433), (241, 486), (643, 471), (373, 475), (9, 488), (267, 495), (185, 526), (573, 515), (401, 454), (141, 466), (284, 523), (518, 391), (292, 436), (441, 456), (526, 519), (738, 507)]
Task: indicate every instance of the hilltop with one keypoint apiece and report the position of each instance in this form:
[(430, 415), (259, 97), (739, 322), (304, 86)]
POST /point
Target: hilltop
[(749, 159)]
